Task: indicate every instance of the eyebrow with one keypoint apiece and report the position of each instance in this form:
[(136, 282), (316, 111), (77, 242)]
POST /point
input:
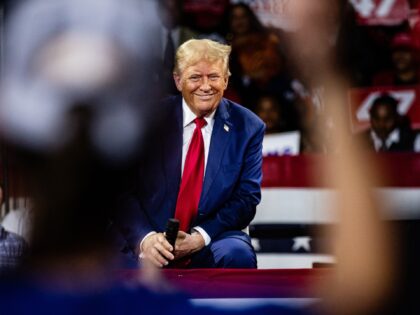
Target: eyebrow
[(201, 74)]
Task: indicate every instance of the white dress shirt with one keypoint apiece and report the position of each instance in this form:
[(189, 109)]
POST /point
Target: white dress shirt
[(189, 127), (393, 137)]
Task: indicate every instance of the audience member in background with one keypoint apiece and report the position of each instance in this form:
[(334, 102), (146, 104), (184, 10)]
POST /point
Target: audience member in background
[(241, 22), (172, 35), (271, 113), (389, 131), (258, 65), (405, 62), (13, 249), (279, 138), (206, 17), (17, 220)]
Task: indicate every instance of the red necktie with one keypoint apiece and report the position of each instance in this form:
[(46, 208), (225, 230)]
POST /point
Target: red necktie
[(192, 179)]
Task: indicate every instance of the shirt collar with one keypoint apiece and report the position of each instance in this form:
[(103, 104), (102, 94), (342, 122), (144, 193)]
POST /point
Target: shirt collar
[(189, 116), (393, 137)]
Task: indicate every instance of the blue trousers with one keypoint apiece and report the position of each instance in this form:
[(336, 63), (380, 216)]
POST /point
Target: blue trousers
[(231, 249)]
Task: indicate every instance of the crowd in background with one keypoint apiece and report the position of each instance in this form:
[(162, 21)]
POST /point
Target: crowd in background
[(264, 78)]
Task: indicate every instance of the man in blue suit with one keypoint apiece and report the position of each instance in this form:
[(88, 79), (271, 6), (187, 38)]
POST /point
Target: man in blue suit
[(217, 183)]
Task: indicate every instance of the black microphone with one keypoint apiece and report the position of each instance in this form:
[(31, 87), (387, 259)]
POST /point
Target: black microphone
[(171, 232)]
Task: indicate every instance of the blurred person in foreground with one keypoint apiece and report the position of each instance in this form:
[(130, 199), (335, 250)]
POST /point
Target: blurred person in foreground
[(69, 108), (205, 170), (389, 132), (363, 280)]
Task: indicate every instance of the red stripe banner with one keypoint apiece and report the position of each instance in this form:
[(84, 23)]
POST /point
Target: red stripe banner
[(305, 171)]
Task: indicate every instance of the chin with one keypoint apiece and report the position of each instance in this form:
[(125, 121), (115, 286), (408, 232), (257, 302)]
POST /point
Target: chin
[(206, 109), (206, 105)]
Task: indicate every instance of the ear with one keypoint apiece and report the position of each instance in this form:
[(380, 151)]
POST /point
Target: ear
[(177, 79), (226, 78)]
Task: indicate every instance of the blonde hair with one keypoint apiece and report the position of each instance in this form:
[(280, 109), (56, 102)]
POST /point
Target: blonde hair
[(195, 50)]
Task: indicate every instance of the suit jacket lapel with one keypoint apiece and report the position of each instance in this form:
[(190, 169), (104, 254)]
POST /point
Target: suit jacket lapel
[(219, 139)]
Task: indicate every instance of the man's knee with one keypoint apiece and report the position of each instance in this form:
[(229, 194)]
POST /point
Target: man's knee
[(236, 254)]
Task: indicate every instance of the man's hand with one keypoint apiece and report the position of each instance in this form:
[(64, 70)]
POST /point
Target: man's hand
[(186, 244), (157, 250)]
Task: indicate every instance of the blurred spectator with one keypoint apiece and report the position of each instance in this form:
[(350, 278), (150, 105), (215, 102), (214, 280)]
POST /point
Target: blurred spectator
[(206, 17), (76, 94), (13, 248), (389, 131), (271, 113), (172, 35), (258, 65), (241, 22), (404, 59), (17, 221), (259, 57)]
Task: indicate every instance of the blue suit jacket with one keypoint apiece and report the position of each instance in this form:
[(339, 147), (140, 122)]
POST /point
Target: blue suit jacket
[(231, 188)]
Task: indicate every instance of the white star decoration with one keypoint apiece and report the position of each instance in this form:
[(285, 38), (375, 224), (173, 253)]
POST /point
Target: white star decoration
[(301, 243), (256, 244)]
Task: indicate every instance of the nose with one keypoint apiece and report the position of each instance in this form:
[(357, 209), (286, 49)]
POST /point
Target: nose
[(205, 86)]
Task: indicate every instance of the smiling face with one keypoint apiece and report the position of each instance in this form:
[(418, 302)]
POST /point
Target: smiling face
[(202, 85)]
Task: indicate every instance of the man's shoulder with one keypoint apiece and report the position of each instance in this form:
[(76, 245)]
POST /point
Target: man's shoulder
[(243, 118), (242, 115)]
